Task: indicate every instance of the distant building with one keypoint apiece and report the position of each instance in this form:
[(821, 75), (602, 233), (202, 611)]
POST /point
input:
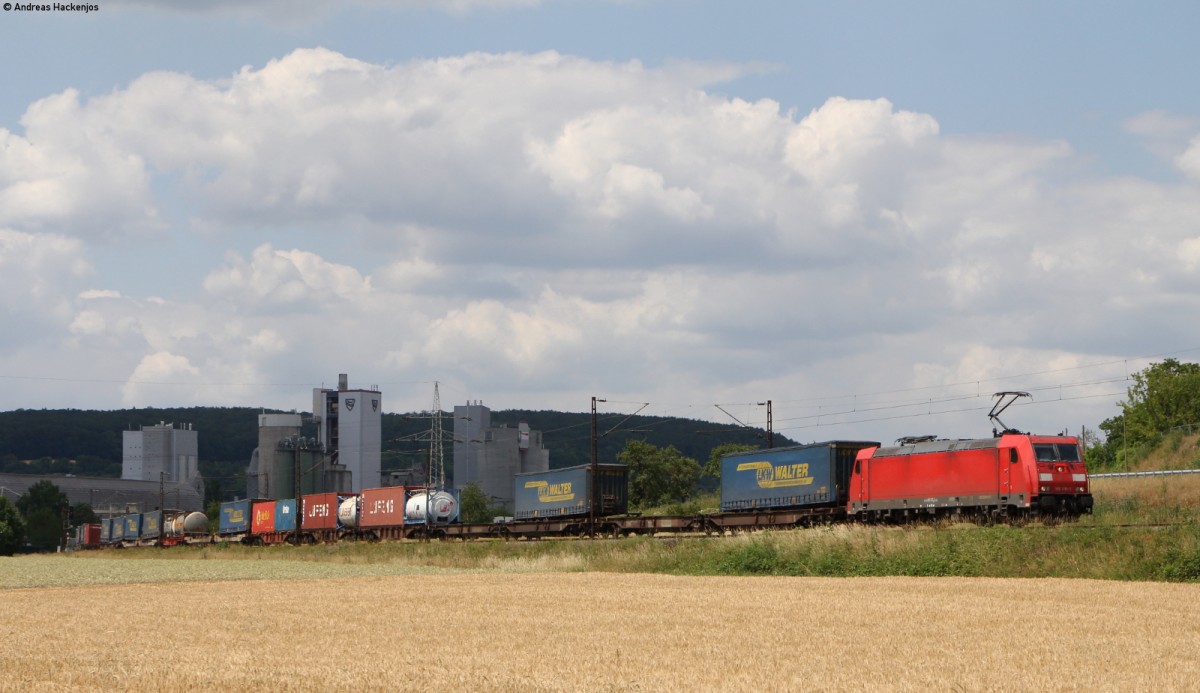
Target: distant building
[(490, 456), (161, 452), (264, 477), (108, 496), (350, 426)]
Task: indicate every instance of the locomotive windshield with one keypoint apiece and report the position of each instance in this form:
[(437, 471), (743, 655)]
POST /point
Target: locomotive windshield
[(1056, 452)]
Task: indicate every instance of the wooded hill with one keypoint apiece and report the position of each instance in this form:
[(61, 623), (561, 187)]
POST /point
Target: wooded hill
[(88, 443)]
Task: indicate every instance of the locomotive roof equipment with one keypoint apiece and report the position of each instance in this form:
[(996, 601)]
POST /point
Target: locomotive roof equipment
[(1003, 401)]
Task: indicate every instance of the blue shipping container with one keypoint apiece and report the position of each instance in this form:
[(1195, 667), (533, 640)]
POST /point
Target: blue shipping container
[(800, 476), (105, 531), (567, 492), (133, 526), (235, 517), (285, 515), (152, 525)]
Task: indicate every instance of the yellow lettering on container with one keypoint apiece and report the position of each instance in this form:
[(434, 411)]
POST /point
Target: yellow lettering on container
[(781, 476), (552, 493)]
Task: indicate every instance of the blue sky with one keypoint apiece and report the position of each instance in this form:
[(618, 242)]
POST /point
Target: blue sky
[(1072, 70), (872, 213)]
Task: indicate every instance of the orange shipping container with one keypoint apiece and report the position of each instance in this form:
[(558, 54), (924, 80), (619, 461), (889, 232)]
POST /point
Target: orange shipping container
[(382, 507), (262, 520), (320, 511)]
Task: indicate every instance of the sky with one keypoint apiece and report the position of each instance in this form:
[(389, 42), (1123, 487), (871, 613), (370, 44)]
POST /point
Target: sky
[(873, 214)]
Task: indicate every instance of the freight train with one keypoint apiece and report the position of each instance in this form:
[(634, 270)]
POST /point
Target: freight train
[(1006, 477), (142, 529)]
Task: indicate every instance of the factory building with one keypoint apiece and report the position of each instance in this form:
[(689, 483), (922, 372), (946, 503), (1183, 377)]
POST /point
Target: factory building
[(490, 456), (264, 479), (108, 496), (161, 452), (350, 427)]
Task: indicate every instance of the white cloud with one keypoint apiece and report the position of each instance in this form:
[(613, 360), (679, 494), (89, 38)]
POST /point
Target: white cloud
[(93, 294), (554, 226), (844, 140), (39, 277), (286, 280), (1167, 135), (153, 372), (68, 171), (1189, 161)]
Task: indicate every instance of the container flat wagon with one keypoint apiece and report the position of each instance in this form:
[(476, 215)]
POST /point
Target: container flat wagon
[(237, 517), (131, 529), (152, 528), (568, 492), (88, 535), (273, 522), (319, 517), (185, 528), (381, 512), (783, 487)]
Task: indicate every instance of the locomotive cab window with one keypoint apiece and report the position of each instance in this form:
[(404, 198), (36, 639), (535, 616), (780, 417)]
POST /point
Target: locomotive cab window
[(1013, 457), (1062, 452)]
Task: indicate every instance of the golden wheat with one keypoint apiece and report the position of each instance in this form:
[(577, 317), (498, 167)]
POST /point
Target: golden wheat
[(527, 631)]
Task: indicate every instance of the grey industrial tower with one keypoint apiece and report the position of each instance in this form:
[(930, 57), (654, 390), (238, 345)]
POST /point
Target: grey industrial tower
[(489, 456), (350, 426), (161, 453)]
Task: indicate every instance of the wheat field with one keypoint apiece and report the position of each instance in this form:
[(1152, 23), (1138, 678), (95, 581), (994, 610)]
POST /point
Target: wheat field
[(550, 631)]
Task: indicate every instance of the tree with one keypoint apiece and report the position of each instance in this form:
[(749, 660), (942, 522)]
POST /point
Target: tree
[(43, 505), (475, 506), (213, 510), (82, 513), (43, 494), (713, 466), (658, 475), (1163, 396), (12, 529)]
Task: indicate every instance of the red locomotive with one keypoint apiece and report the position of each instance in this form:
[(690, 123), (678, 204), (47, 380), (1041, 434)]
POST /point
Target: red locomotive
[(1009, 475)]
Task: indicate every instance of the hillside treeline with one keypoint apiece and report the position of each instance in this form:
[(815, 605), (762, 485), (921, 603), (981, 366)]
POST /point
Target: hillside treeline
[(89, 443)]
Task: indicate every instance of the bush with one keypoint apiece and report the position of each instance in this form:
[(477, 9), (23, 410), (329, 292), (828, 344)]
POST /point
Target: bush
[(755, 557), (12, 529)]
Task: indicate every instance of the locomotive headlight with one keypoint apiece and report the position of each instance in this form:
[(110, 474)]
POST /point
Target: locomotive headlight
[(1045, 488)]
